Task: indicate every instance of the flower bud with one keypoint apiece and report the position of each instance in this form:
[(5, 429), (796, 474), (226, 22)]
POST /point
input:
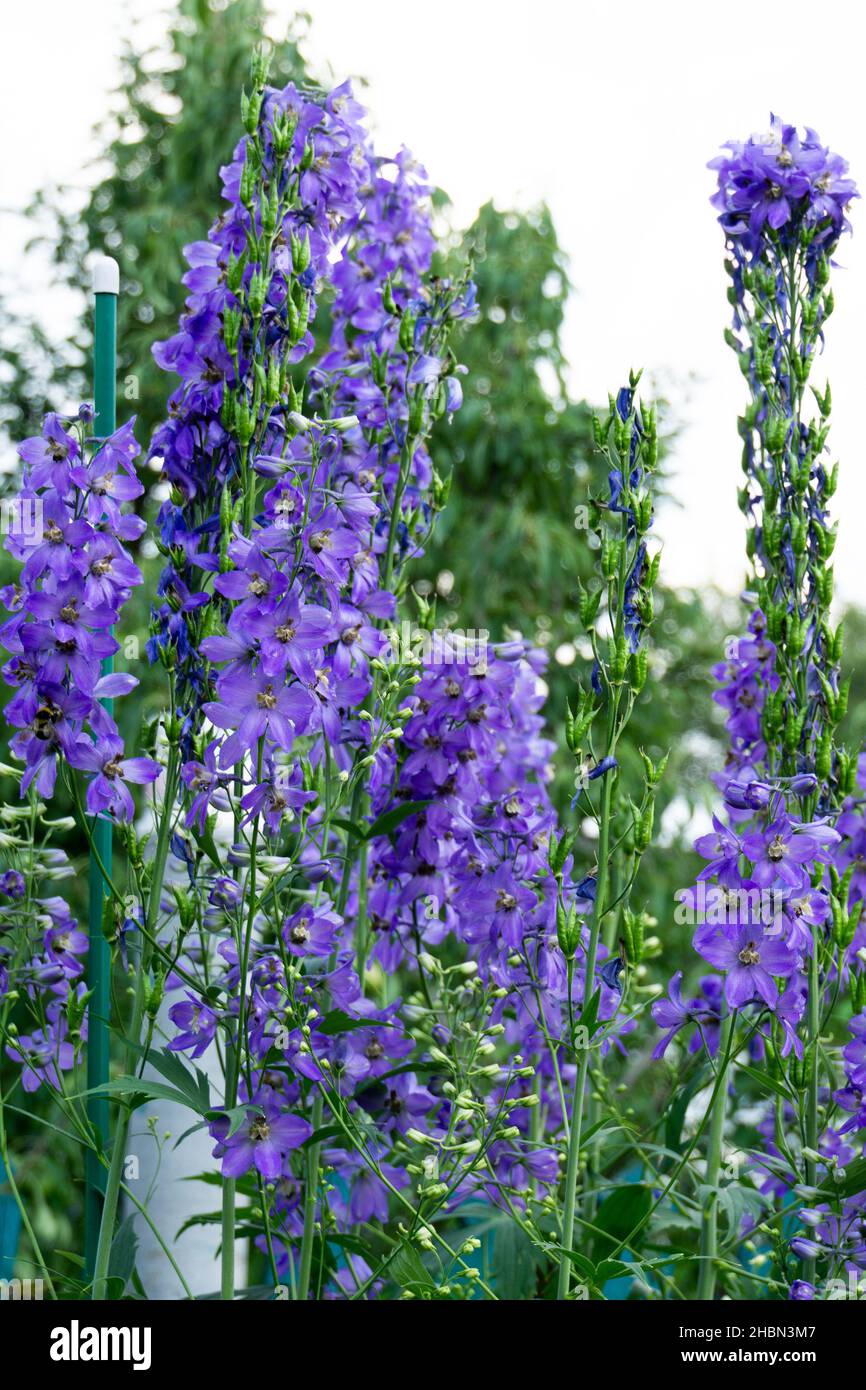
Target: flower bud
[(568, 928)]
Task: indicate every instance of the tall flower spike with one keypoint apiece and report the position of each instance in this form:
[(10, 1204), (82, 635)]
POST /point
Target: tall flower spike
[(69, 533), (773, 914)]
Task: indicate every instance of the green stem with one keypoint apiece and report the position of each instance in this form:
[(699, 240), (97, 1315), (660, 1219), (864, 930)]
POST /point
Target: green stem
[(235, 1059), (814, 1026), (579, 1093), (16, 1196), (402, 479), (118, 1151), (709, 1216), (227, 1217), (310, 1194)]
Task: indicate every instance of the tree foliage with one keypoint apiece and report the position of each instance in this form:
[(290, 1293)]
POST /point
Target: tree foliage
[(174, 123)]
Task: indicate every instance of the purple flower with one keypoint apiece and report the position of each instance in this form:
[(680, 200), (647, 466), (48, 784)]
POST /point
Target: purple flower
[(750, 960), (802, 1291), (267, 1134), (312, 931), (107, 793), (12, 884), (197, 1024)]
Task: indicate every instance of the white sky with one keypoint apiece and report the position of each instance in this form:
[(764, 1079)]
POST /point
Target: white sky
[(609, 111)]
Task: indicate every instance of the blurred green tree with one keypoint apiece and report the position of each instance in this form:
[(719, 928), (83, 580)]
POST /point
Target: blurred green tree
[(510, 552), (174, 122)]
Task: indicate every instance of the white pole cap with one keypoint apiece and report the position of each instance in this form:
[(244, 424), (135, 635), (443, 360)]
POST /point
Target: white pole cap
[(106, 276)]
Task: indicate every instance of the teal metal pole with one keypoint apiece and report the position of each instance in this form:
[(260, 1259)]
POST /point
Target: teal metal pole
[(106, 285), (10, 1229)]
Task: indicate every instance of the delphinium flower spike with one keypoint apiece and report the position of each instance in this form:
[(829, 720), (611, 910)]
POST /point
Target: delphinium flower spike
[(775, 912), (621, 521)]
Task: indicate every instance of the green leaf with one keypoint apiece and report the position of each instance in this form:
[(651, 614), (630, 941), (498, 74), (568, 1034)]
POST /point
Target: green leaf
[(389, 820), (77, 1260), (618, 1215), (319, 1136), (236, 1116), (582, 1263), (353, 1244), (194, 1086), (121, 1259), (737, 1200), (589, 1013), (255, 1293), (407, 1269), (514, 1262), (193, 1129), (853, 1181), (767, 1082), (613, 1269), (677, 1111), (137, 1091), (205, 841), (350, 827), (243, 1228), (336, 1021)]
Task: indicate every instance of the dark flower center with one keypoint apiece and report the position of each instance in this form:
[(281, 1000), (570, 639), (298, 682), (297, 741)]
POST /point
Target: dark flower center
[(775, 850), (266, 699), (749, 954)]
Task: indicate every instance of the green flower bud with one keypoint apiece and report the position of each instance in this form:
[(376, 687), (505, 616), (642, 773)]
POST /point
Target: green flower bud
[(406, 336), (644, 829), (633, 928), (823, 757), (250, 110), (389, 303), (568, 928), (416, 414), (588, 604), (644, 513), (248, 183), (283, 133), (801, 1068), (154, 993), (260, 63), (75, 1011), (638, 669)]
